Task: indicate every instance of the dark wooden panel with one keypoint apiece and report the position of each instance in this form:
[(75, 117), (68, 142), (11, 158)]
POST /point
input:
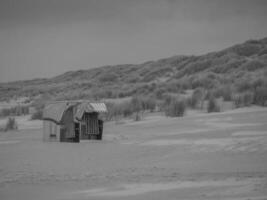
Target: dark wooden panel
[(68, 123), (91, 123)]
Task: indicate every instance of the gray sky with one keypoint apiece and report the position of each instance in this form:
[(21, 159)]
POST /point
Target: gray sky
[(44, 38)]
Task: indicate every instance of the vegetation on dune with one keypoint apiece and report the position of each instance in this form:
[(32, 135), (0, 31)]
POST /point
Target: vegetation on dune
[(243, 99), (175, 107), (11, 124), (197, 99), (260, 95), (134, 108), (37, 115), (212, 105), (237, 74), (14, 111)]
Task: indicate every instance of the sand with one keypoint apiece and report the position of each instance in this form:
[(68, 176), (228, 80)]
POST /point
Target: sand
[(217, 156), (136, 189)]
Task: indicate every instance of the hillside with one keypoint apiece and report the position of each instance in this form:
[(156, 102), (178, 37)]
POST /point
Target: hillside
[(241, 68)]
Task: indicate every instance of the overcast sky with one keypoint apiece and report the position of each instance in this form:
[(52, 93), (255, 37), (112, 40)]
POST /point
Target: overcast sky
[(44, 38)]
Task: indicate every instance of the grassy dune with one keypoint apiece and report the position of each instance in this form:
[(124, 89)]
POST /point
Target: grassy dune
[(237, 69)]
